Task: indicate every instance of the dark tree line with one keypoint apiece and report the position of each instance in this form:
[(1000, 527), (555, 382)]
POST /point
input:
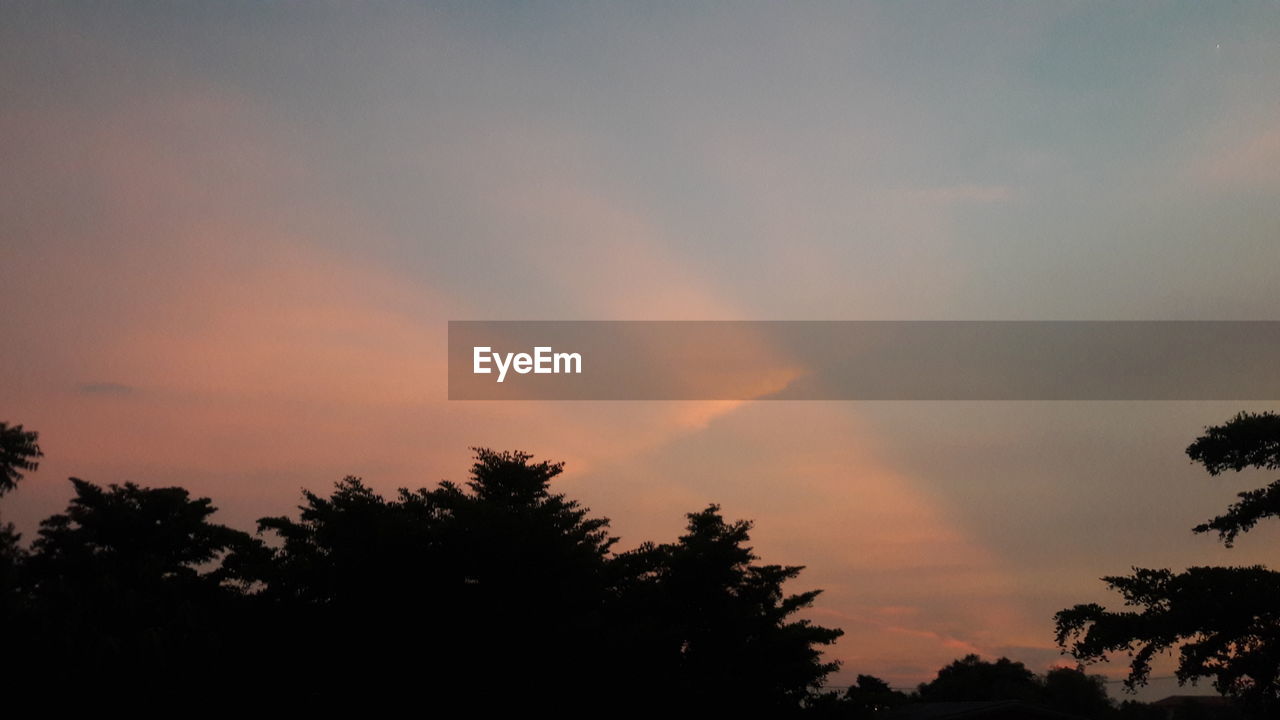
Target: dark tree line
[(496, 594), (971, 679), (499, 594)]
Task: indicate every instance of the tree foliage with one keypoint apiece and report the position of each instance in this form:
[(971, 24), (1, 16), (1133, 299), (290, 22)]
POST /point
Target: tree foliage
[(1065, 689), (717, 629), (971, 679), (128, 580), (871, 696), (501, 568), (1249, 440), (499, 593), (1223, 621), (19, 453), (19, 450), (1072, 690)]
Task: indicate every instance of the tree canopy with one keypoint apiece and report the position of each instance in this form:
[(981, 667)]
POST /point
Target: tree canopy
[(19, 453), (128, 579), (498, 592), (971, 678), (1223, 621), (19, 450), (1249, 440), (717, 628)]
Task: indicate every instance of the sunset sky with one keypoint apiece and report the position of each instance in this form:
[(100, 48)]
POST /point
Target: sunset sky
[(231, 237)]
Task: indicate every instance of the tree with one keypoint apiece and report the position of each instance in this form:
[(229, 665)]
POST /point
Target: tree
[(1071, 690), (456, 588), (971, 678), (1247, 440), (129, 580), (497, 593), (19, 450), (11, 558), (719, 630), (871, 695), (1224, 621)]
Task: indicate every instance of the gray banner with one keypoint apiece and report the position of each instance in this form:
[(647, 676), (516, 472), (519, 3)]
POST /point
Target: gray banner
[(864, 360)]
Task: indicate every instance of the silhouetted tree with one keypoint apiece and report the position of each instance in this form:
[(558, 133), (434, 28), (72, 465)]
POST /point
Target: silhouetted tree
[(972, 678), (19, 450), (128, 581), (1072, 690), (721, 631), (12, 555), (1224, 620), (872, 696), (498, 585), (496, 594), (1249, 440)]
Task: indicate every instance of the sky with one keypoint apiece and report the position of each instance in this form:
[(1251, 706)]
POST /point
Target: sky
[(231, 237)]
